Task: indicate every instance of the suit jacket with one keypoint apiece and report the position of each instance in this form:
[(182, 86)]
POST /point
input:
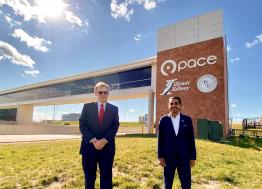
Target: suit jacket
[(90, 127), (180, 147)]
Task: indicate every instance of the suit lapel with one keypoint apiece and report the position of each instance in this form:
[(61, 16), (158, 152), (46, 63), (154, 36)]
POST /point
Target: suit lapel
[(96, 113), (171, 124), (181, 122)]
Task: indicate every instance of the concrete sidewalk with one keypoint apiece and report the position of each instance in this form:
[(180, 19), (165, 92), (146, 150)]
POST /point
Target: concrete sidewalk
[(34, 138), (8, 138)]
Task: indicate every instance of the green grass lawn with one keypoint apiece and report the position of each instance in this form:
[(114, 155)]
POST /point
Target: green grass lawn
[(56, 164), (131, 124)]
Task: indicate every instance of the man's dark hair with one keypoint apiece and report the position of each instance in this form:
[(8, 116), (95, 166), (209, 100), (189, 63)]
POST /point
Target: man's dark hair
[(176, 97)]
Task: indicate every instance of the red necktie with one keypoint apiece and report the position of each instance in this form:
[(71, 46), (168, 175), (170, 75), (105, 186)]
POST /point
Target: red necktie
[(101, 113)]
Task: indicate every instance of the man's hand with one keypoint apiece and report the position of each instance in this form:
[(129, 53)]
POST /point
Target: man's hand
[(99, 144), (162, 162), (192, 163)]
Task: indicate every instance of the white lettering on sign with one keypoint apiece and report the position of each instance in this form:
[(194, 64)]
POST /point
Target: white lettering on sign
[(174, 85), (192, 63), (181, 86)]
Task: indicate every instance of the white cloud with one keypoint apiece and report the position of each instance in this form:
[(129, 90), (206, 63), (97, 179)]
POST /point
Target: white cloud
[(37, 43), (22, 75), (131, 110), (12, 23), (7, 51), (41, 10), (24, 8), (149, 4), (125, 9), (229, 48), (33, 73), (137, 37), (258, 39), (120, 10), (72, 18), (233, 105), (252, 44), (233, 60)]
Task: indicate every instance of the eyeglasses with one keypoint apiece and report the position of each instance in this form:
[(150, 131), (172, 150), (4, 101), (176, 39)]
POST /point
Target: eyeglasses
[(174, 103), (103, 92)]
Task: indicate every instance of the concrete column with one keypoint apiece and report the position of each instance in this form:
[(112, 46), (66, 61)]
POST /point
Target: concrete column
[(150, 120), (25, 114)]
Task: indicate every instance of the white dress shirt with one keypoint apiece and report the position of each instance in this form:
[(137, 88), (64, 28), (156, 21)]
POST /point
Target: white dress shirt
[(175, 122)]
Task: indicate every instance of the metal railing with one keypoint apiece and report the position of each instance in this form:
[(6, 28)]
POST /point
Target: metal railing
[(253, 133)]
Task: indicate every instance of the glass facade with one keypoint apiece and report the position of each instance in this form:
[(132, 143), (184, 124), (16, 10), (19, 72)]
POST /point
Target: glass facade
[(139, 77), (8, 114)]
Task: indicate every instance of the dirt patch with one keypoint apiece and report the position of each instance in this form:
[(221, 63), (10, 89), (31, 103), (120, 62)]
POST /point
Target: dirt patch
[(212, 185), (118, 173)]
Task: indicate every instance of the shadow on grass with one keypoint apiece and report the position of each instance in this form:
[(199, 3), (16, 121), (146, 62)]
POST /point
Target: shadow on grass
[(244, 141), (138, 136)]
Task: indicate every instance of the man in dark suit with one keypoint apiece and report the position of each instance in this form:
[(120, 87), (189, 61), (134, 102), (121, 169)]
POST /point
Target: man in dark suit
[(98, 125), (176, 145)]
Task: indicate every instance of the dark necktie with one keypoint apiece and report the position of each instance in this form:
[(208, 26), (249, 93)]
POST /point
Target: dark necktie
[(101, 113)]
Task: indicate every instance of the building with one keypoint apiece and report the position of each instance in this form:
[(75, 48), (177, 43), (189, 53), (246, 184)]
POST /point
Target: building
[(70, 117), (191, 62), (143, 119)]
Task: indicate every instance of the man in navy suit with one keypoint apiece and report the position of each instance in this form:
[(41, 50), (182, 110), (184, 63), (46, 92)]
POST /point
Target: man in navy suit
[(176, 145), (98, 125)]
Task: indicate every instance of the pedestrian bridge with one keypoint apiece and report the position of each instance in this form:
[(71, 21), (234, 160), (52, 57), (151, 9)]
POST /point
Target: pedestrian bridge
[(130, 81)]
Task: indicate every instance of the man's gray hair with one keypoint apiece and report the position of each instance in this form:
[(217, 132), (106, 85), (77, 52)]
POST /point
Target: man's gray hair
[(101, 84)]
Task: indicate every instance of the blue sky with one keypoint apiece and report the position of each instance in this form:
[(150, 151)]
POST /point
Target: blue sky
[(47, 39)]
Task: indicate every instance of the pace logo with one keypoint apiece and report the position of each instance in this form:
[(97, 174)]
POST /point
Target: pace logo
[(169, 65), (172, 66)]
